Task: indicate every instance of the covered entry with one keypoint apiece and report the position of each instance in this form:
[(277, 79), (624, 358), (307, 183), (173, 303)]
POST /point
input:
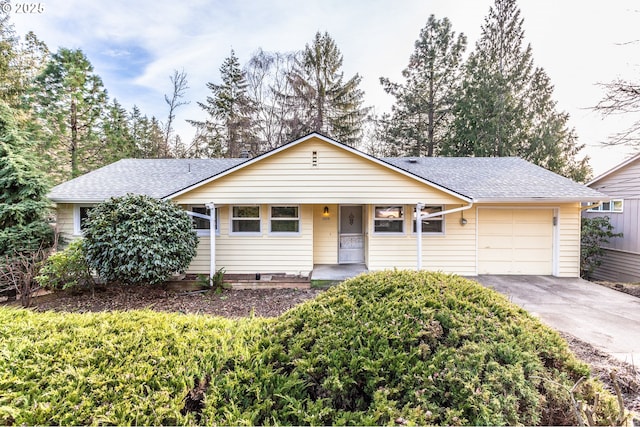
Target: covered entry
[(515, 241)]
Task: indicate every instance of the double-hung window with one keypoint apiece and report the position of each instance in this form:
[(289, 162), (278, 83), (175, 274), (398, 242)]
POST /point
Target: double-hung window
[(388, 219), (202, 226), (434, 224), (245, 219), (285, 219), (80, 215)]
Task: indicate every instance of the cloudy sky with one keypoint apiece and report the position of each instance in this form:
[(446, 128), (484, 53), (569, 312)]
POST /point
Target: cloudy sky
[(135, 45)]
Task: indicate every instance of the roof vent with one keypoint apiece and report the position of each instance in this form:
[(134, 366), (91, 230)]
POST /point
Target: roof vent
[(244, 154), (412, 160)]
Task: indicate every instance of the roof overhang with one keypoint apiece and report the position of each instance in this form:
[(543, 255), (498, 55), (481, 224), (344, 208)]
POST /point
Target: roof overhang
[(542, 200), (329, 141), (76, 201)]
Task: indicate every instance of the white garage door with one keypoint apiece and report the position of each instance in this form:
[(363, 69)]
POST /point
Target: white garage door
[(515, 241)]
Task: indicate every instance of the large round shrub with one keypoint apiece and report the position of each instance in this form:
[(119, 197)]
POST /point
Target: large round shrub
[(403, 347), (138, 239)]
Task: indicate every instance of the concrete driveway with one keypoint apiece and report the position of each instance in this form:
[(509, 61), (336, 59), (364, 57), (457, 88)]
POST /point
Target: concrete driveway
[(607, 319)]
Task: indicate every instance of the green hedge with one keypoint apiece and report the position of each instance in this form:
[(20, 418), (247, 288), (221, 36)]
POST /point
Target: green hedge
[(384, 348)]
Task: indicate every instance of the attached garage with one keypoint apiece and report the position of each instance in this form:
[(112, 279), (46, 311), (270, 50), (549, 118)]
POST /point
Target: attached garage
[(515, 241)]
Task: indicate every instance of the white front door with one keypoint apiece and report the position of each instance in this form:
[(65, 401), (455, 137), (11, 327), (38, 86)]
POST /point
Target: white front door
[(351, 250)]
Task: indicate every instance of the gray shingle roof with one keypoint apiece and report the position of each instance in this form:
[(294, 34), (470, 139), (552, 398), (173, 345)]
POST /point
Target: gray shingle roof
[(495, 178), (154, 177), (478, 178)]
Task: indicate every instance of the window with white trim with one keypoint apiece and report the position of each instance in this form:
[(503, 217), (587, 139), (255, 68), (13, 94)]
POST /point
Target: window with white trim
[(388, 219), (202, 226), (80, 215), (616, 206), (285, 219), (245, 219), (433, 225)]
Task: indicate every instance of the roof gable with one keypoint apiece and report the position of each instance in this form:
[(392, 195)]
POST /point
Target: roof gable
[(316, 169), (615, 169)]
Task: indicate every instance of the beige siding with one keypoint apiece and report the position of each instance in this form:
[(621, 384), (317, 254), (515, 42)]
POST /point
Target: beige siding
[(619, 266), (263, 253), (325, 235), (515, 241), (339, 177), (569, 240), (452, 252), (64, 217)]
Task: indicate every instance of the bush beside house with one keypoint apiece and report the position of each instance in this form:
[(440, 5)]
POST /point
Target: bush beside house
[(384, 348), (139, 239)]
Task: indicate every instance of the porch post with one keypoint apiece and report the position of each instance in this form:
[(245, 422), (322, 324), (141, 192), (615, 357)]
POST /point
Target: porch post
[(419, 207), (212, 238)]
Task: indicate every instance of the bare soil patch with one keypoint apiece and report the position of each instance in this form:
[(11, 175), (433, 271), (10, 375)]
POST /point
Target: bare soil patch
[(273, 302)]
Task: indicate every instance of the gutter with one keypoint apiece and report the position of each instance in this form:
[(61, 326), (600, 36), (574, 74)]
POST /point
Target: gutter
[(420, 218)]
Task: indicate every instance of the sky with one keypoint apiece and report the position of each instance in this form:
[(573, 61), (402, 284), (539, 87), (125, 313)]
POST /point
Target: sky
[(135, 45)]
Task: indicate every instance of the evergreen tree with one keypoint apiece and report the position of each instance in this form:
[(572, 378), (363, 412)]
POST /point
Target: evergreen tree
[(229, 109), (321, 101), (117, 140), (23, 204), (422, 112), (505, 106), (71, 98)]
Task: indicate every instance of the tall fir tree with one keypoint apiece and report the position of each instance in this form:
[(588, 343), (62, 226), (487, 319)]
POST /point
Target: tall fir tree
[(228, 127), (505, 107), (117, 139), (422, 111), (71, 100), (320, 99), (23, 203)]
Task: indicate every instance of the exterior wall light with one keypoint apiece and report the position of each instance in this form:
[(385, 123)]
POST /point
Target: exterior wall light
[(325, 211), (463, 220)]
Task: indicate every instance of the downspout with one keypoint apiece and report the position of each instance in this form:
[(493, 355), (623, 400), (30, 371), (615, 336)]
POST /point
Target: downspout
[(420, 218), (212, 238)]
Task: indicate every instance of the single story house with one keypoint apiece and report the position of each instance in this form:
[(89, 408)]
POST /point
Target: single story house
[(621, 262), (316, 201)]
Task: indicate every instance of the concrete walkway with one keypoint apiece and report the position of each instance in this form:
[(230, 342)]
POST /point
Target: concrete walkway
[(336, 272), (607, 319)]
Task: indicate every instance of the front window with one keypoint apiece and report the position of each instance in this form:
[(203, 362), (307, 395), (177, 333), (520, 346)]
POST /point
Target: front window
[(202, 225), (81, 214), (433, 224), (245, 219), (285, 219), (388, 219)]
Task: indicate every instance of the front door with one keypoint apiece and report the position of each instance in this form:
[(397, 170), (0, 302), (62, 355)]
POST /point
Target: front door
[(351, 249)]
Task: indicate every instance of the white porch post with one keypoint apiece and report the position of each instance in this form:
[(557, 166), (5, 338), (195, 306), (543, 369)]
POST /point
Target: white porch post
[(212, 238), (419, 207)]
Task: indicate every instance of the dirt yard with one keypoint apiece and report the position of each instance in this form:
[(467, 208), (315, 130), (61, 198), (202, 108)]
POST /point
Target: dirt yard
[(273, 302)]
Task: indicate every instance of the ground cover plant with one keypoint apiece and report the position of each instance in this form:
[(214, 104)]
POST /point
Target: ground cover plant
[(383, 348)]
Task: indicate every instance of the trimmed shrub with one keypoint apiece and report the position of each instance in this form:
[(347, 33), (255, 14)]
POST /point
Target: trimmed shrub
[(385, 348), (138, 239), (67, 269)]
